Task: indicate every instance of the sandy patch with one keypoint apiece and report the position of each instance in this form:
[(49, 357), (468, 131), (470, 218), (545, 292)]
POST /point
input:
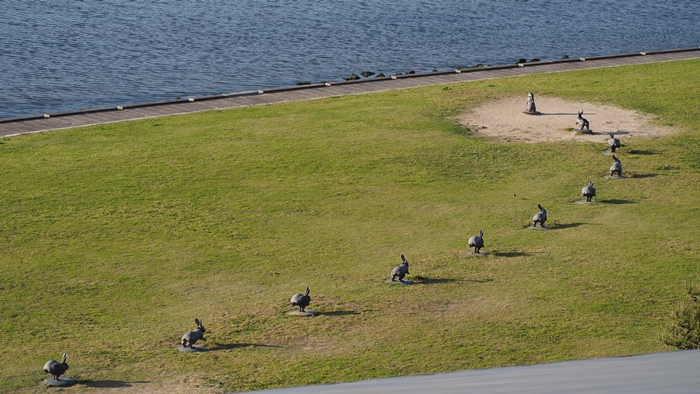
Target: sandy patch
[(504, 118)]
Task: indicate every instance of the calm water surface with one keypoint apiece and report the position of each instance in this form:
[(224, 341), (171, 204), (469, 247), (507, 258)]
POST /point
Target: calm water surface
[(71, 54)]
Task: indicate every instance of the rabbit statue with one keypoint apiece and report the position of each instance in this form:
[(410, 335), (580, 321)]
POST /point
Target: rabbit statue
[(613, 143), (616, 167), (191, 337), (55, 368), (531, 109), (588, 191), (401, 270), (477, 242), (301, 300), (540, 217), (582, 122)]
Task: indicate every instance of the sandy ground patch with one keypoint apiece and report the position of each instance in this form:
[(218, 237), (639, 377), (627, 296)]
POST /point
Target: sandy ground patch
[(504, 119)]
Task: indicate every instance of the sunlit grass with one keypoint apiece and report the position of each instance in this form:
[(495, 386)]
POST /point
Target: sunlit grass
[(115, 237)]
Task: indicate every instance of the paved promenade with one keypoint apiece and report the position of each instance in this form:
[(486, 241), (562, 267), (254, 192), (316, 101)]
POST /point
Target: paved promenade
[(667, 373), (45, 122)]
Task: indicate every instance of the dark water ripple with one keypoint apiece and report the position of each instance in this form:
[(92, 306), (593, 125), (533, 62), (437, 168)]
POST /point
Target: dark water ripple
[(72, 54)]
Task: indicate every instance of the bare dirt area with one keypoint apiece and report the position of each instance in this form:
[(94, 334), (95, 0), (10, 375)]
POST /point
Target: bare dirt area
[(504, 119)]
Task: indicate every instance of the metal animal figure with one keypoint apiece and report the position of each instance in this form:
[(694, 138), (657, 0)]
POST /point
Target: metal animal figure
[(477, 242), (191, 337), (401, 270), (55, 368), (616, 167), (582, 122), (531, 104), (301, 300), (540, 217), (613, 143), (588, 191)]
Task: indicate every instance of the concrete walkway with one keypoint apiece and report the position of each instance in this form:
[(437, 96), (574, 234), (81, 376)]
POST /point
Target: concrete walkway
[(33, 124), (668, 373)]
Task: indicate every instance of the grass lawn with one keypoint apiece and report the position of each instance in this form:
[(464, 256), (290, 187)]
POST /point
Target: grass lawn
[(113, 238)]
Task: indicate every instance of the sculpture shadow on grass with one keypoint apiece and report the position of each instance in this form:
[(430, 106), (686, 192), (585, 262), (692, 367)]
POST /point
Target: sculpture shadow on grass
[(231, 346), (436, 281), (567, 225), (487, 280), (109, 384), (511, 254), (642, 176), (618, 202), (643, 152), (340, 313)]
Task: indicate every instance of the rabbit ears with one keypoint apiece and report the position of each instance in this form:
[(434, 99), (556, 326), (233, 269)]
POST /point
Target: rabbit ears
[(481, 233), (540, 207), (307, 291), (63, 359), (198, 322), (590, 183), (403, 258), (615, 158), (580, 113)]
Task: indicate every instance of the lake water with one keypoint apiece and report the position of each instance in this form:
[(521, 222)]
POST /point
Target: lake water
[(72, 54)]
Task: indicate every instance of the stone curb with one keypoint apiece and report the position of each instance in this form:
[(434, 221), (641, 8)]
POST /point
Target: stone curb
[(339, 83)]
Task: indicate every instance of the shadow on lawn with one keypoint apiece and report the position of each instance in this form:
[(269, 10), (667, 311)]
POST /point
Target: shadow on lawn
[(511, 254), (339, 313), (643, 152), (618, 202), (230, 346), (427, 281), (568, 225), (644, 175), (108, 384)]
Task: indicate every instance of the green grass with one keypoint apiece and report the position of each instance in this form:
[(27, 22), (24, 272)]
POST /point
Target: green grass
[(113, 238)]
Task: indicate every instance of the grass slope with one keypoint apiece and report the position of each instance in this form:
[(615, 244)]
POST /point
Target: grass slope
[(114, 238)]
